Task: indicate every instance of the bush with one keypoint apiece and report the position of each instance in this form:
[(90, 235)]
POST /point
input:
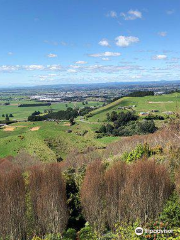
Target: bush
[(87, 233), (54, 237), (147, 126), (171, 211), (70, 234)]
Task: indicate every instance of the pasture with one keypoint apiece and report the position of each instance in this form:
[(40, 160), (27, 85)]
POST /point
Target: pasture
[(162, 103)]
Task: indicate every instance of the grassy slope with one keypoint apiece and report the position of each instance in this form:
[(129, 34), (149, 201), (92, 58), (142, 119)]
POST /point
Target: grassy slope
[(163, 103), (34, 142)]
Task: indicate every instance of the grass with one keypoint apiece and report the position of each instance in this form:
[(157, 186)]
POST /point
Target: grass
[(163, 103), (36, 142), (52, 139), (22, 113)]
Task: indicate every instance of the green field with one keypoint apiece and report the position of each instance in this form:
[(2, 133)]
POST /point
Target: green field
[(52, 140), (22, 113), (163, 103), (21, 137)]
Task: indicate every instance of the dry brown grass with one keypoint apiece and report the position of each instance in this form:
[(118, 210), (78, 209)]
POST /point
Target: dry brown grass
[(9, 128), (34, 129)]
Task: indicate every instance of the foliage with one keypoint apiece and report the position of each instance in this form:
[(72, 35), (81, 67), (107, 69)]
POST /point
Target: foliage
[(159, 225), (141, 94), (87, 233), (126, 124), (126, 232), (85, 111), (140, 151), (171, 211), (34, 104), (147, 126), (70, 234), (76, 219)]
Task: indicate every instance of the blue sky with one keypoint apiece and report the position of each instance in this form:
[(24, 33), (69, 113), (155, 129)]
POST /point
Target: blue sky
[(87, 41)]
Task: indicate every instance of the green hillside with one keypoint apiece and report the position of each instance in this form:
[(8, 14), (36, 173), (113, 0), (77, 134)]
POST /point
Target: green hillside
[(49, 140), (162, 103)]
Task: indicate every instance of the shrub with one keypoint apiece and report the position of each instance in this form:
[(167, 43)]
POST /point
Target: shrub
[(148, 188), (70, 234), (171, 211), (12, 202), (87, 233), (116, 179), (93, 196), (48, 196)]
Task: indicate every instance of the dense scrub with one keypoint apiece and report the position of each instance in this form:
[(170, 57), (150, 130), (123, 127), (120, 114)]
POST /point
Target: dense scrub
[(126, 124), (140, 187)]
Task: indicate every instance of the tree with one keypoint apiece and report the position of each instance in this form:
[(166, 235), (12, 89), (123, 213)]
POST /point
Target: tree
[(48, 194), (71, 120), (12, 202), (93, 196), (11, 115), (7, 118), (147, 126), (148, 187), (3, 115), (102, 129), (116, 180), (114, 116)]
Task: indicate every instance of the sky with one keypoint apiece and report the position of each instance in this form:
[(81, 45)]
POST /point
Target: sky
[(45, 42)]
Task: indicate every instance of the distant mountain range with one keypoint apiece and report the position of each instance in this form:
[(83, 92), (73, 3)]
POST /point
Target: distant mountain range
[(101, 85)]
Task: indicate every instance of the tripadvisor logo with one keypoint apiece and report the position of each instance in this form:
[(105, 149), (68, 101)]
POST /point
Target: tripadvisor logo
[(139, 231)]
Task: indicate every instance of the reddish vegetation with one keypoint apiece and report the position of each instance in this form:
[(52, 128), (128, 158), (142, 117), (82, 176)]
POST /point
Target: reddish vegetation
[(147, 189), (125, 192), (116, 181), (92, 195), (12, 202), (48, 196)]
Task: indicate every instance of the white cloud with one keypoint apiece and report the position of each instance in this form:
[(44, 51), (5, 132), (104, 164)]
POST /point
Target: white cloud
[(123, 41), (104, 43), (162, 34), (10, 53), (54, 43), (131, 15), (106, 54), (64, 43), (81, 62), (112, 14), (170, 12), (33, 67), (71, 70), (160, 57), (54, 67), (51, 55), (105, 59), (9, 68)]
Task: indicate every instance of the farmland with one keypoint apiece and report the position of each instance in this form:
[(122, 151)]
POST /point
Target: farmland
[(50, 140), (22, 113), (83, 153), (162, 103)]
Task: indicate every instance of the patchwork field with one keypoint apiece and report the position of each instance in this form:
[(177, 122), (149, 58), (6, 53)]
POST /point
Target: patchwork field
[(163, 103), (22, 113), (50, 140)]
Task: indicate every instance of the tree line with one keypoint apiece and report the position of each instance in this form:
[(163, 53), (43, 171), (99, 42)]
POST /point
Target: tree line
[(141, 94), (42, 199), (126, 124), (67, 114)]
